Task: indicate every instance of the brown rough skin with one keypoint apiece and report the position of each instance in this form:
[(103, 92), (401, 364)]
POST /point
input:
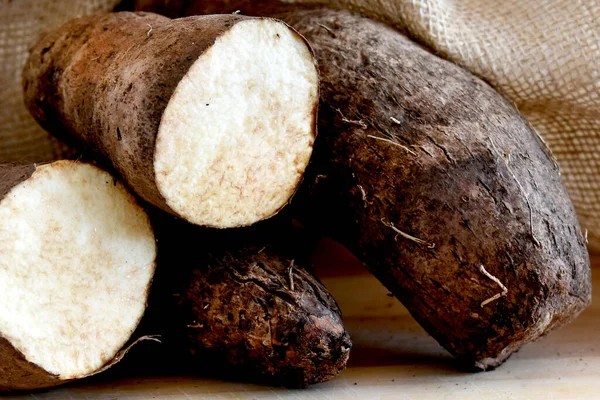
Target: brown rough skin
[(13, 174), (464, 173), (16, 373), (232, 302), (103, 82), (413, 143)]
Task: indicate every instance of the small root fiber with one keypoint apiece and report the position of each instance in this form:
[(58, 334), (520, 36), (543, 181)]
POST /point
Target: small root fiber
[(364, 194), (358, 122), (512, 174), (407, 236), (394, 143), (492, 277), (291, 275), (328, 29)]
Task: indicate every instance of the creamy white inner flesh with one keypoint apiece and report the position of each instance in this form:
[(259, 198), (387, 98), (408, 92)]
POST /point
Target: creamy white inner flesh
[(237, 133), (76, 260)]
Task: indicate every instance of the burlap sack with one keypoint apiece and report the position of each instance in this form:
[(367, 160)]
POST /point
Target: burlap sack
[(21, 24), (544, 55)]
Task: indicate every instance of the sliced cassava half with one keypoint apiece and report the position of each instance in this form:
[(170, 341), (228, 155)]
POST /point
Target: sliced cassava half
[(77, 255), (210, 118)]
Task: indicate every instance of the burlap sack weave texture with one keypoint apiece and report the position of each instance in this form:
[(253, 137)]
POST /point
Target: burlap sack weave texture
[(22, 22), (544, 55)]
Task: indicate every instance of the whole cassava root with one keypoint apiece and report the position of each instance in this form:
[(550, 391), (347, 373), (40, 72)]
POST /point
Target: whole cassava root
[(209, 118), (250, 306), (441, 188), (77, 258)]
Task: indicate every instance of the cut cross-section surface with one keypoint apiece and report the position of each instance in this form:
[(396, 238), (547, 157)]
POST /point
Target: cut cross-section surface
[(238, 131), (77, 255)]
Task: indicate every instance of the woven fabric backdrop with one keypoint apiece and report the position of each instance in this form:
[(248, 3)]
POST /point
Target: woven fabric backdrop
[(22, 22), (544, 55)]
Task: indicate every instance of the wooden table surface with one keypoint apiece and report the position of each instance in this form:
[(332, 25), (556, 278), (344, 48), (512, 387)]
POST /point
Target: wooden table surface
[(393, 358)]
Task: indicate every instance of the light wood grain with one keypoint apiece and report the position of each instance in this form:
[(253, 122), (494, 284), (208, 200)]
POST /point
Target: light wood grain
[(393, 358)]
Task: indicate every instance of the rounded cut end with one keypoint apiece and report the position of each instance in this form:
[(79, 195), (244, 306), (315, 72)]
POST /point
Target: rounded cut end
[(238, 131), (76, 261)]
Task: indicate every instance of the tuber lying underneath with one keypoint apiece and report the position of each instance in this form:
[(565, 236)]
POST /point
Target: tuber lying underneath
[(249, 305), (210, 118), (77, 255)]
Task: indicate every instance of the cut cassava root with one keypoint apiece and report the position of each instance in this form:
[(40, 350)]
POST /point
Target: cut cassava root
[(430, 177), (210, 118), (77, 256), (247, 303)]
